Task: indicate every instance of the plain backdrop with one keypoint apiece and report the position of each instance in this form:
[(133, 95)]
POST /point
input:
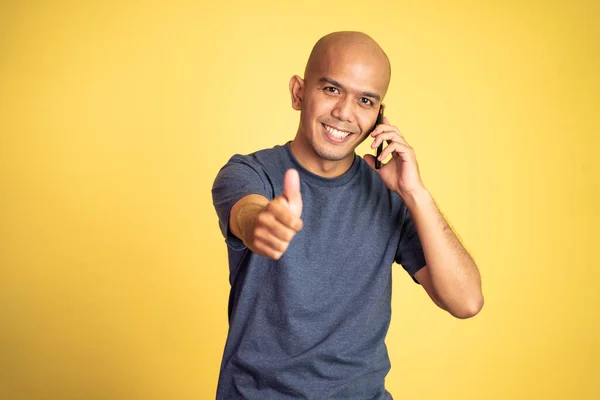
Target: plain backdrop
[(115, 117)]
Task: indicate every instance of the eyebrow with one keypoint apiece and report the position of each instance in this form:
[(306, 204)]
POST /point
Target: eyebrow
[(336, 83)]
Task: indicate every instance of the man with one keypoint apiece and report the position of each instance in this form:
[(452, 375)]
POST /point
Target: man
[(312, 232)]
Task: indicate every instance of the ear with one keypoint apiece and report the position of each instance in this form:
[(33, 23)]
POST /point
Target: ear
[(296, 90)]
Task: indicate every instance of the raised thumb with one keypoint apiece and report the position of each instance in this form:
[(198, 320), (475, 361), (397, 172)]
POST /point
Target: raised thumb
[(291, 191)]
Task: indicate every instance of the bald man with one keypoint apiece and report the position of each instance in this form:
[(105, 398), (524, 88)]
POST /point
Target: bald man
[(312, 231)]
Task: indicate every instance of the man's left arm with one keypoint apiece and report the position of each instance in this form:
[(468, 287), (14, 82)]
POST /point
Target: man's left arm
[(450, 277)]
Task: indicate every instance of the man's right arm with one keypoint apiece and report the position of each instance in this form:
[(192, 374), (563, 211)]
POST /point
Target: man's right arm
[(267, 228)]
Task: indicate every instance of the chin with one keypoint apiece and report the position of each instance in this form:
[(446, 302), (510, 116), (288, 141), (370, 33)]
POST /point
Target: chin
[(332, 154)]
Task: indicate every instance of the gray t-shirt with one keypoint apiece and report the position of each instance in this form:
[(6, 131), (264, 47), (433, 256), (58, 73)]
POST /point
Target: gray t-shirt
[(312, 324)]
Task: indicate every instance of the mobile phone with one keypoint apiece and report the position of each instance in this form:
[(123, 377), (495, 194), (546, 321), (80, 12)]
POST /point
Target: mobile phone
[(380, 147)]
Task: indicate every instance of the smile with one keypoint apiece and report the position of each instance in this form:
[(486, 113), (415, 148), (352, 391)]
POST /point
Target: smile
[(335, 132)]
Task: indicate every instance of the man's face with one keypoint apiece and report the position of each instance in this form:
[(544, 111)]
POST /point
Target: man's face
[(340, 102)]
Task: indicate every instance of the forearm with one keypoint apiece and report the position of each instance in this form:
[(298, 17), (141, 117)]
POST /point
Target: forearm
[(454, 276)]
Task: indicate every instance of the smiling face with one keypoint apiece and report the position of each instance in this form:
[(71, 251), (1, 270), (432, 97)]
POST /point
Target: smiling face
[(345, 81)]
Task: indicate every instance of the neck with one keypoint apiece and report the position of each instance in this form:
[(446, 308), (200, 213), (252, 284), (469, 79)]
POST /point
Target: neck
[(309, 159)]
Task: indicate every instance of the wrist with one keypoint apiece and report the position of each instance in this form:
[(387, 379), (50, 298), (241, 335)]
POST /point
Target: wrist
[(414, 198), (246, 220)]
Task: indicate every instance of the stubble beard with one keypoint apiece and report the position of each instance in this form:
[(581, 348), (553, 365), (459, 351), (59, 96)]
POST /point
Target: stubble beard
[(329, 155)]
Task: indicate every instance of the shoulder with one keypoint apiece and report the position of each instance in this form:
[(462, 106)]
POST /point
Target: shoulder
[(261, 159), (255, 169)]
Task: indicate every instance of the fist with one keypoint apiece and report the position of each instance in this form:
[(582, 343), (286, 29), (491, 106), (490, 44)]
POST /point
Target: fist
[(280, 220)]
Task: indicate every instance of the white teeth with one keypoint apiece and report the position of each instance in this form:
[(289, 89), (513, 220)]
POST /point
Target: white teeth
[(335, 133)]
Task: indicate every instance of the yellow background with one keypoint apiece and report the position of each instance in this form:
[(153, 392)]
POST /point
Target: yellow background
[(116, 116)]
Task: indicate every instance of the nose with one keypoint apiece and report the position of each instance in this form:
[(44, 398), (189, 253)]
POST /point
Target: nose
[(344, 109)]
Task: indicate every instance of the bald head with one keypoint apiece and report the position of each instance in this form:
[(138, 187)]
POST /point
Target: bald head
[(348, 47), (344, 84)]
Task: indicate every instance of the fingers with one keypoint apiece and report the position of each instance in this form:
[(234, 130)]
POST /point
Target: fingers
[(395, 148), (272, 240), (275, 228), (396, 142), (282, 213), (265, 249), (385, 127), (388, 136), (386, 132)]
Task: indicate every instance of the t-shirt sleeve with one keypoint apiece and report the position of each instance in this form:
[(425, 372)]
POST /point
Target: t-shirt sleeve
[(240, 177), (410, 252)]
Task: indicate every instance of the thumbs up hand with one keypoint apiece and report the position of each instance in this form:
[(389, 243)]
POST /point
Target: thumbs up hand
[(279, 221)]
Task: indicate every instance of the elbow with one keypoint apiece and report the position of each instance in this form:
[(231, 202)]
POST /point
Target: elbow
[(469, 309)]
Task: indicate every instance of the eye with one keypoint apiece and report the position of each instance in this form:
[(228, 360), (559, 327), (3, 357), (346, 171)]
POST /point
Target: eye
[(366, 101), (332, 89)]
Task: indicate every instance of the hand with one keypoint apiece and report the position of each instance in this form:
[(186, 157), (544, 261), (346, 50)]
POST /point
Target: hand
[(279, 221), (401, 173)]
